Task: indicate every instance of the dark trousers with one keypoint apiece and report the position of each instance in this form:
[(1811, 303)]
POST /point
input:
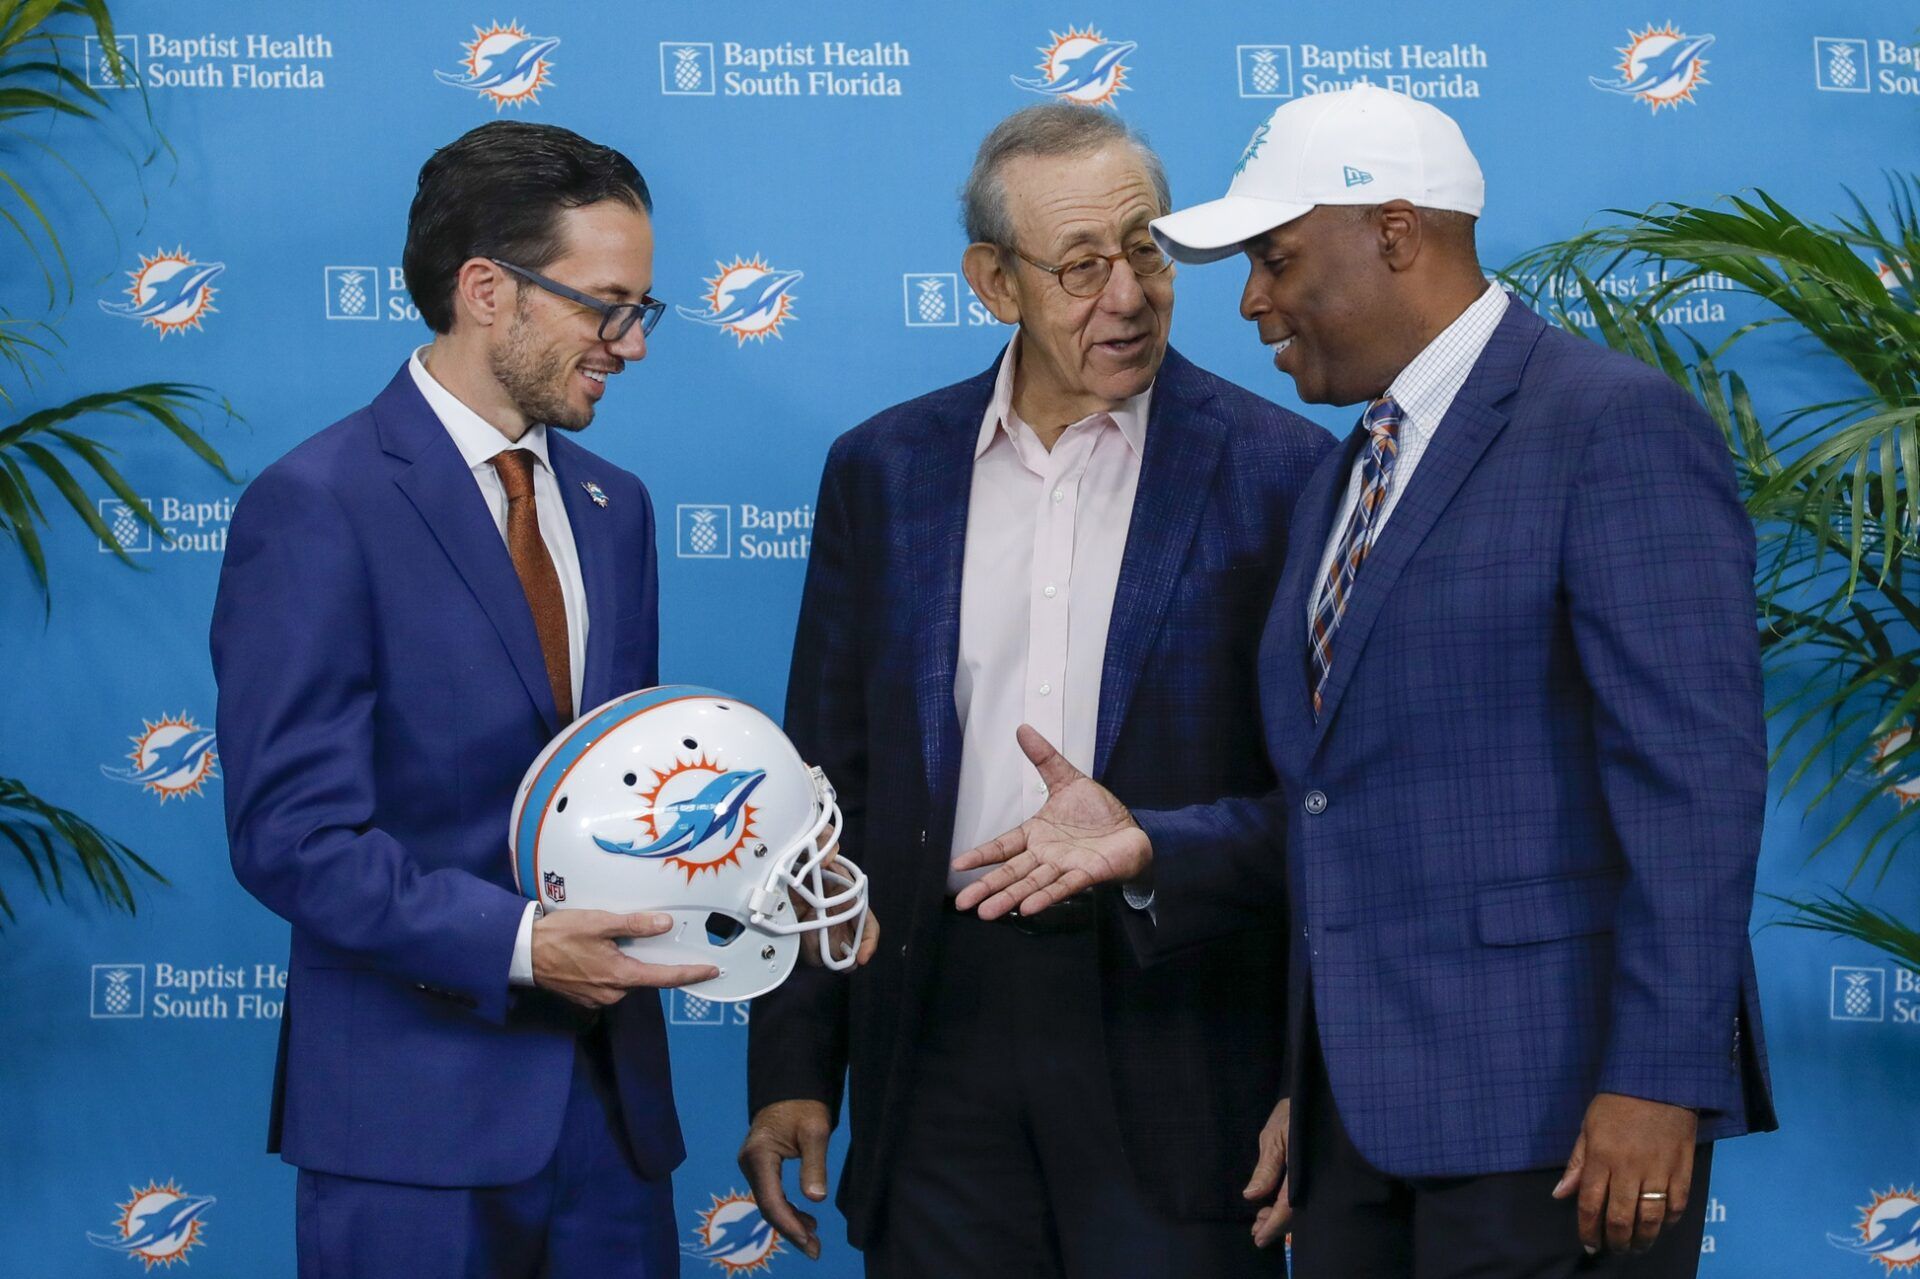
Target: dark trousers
[(1009, 1163), (1359, 1223), (588, 1212)]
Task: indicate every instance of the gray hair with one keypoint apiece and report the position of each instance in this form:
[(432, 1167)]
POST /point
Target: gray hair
[(1046, 129)]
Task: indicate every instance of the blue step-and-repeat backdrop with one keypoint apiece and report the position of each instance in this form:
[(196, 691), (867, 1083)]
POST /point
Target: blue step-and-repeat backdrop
[(826, 139)]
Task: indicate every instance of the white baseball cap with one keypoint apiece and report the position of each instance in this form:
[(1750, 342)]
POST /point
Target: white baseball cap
[(1364, 145)]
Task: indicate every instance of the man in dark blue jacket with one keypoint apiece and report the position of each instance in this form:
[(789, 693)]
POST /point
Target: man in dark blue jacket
[(414, 601), (1086, 534), (1511, 688)]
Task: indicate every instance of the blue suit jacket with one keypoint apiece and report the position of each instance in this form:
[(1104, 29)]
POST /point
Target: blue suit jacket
[(1520, 840), (1194, 1043), (381, 693)]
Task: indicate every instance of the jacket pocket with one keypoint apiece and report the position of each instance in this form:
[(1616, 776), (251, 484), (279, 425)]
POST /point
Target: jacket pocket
[(1546, 909)]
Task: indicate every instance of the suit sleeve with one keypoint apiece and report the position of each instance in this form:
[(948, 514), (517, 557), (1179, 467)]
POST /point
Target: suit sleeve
[(1659, 565), (797, 1036), (293, 641), (1217, 870)]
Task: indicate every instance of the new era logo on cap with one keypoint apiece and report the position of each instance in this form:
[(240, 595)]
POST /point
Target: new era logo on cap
[(1357, 177)]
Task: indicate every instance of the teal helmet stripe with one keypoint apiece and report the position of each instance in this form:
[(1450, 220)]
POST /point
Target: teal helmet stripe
[(581, 735)]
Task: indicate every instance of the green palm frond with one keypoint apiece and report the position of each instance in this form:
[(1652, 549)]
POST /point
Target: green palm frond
[(54, 842), (1830, 486), (1843, 915), (43, 445)]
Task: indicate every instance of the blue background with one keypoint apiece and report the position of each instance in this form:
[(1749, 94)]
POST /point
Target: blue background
[(857, 192)]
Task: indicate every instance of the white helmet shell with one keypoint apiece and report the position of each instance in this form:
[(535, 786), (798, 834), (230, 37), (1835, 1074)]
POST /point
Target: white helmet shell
[(687, 802)]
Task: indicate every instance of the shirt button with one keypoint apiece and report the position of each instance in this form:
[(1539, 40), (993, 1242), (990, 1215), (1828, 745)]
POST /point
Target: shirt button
[(1050, 592), (1316, 802), (1041, 787), (1059, 495), (1045, 689)]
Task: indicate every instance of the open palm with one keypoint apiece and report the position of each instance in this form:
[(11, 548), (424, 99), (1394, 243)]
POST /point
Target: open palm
[(1081, 836)]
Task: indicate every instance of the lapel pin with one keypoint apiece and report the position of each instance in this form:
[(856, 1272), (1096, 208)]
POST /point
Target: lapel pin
[(593, 491)]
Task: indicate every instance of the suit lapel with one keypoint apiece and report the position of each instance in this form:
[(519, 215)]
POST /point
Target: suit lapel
[(1470, 425), (938, 496), (593, 543), (443, 491), (1183, 442)]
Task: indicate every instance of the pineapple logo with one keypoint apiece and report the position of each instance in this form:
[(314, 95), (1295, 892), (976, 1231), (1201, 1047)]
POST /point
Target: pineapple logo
[(507, 65), (686, 69), (170, 292), (159, 1225), (172, 757), (1889, 1230), (705, 532), (932, 300), (1660, 66), (1859, 994), (119, 992), (1839, 65), (733, 1235), (1266, 70), (353, 293), (1080, 66)]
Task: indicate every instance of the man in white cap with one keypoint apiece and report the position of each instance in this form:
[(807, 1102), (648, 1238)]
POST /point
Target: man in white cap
[(1511, 693)]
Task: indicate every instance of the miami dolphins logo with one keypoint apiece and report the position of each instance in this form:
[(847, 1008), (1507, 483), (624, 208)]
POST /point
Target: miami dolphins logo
[(505, 64), (697, 816), (159, 1225), (172, 758), (1660, 66), (1258, 140), (1889, 1231), (734, 1236), (748, 299), (1081, 66), (170, 292)]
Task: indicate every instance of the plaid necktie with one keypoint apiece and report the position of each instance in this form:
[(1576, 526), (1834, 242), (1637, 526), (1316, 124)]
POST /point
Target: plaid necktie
[(1382, 423), (538, 578)]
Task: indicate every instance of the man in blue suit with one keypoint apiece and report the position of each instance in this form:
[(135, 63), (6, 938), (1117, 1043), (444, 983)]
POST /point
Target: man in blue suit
[(1086, 533), (1512, 696), (414, 601)]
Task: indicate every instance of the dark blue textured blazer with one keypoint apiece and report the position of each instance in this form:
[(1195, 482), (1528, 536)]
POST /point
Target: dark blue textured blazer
[(1194, 1042), (1520, 840), (381, 693)]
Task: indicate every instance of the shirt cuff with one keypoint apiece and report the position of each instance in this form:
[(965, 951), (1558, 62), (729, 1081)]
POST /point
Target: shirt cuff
[(520, 970), (1140, 897)]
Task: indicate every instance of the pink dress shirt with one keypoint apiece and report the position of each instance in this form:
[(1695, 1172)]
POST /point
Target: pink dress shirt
[(1045, 534)]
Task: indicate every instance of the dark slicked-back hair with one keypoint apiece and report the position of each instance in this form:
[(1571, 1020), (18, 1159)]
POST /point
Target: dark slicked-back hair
[(498, 192)]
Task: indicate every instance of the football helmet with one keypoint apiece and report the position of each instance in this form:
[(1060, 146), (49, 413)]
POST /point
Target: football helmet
[(687, 802)]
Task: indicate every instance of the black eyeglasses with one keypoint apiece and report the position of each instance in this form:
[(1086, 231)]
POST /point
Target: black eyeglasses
[(1086, 277), (616, 318)]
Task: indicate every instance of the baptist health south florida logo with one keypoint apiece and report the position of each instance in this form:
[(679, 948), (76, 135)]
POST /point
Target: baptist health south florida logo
[(748, 299), (170, 292), (187, 525), (172, 757), (935, 300), (1888, 1230), (732, 1235), (1660, 66), (160, 1224), (209, 60), (506, 64), (705, 531), (687, 1009), (825, 69), (1854, 64), (1080, 66)]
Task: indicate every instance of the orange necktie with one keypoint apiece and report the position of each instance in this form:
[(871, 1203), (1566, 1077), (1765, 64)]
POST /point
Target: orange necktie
[(537, 575)]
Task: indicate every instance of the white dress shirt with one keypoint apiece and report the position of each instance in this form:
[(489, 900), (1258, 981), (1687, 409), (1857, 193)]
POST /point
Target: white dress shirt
[(1046, 530), (479, 442), (1424, 391)]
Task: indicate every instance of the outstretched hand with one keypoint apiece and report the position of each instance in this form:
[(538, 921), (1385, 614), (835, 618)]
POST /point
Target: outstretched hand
[(1081, 836)]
